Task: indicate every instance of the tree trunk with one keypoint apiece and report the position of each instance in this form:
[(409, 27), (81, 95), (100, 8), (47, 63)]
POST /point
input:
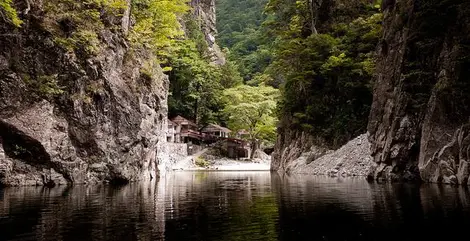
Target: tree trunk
[(314, 7), (254, 147), (196, 107), (312, 17)]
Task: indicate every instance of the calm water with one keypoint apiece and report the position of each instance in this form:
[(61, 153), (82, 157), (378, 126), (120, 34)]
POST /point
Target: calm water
[(236, 206)]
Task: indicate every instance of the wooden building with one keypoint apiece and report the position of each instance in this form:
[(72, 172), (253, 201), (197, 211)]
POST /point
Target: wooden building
[(216, 130), (186, 131), (171, 131)]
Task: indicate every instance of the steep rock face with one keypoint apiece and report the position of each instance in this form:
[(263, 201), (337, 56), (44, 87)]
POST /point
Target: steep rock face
[(419, 117), (290, 145), (204, 11), (67, 117)]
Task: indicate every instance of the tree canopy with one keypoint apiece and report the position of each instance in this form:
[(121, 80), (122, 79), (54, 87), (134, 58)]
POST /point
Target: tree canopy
[(252, 108)]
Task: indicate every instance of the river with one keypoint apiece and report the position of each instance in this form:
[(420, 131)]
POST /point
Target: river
[(236, 206)]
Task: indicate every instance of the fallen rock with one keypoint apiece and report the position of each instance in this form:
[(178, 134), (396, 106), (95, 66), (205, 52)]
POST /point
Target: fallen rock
[(352, 159)]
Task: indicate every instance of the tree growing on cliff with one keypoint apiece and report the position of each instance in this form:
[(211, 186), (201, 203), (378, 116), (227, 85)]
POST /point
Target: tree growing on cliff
[(157, 25), (252, 108), (325, 70)]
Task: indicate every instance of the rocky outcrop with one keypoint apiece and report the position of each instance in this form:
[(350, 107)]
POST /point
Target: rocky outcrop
[(352, 159), (421, 108), (204, 11), (71, 117), (290, 145)]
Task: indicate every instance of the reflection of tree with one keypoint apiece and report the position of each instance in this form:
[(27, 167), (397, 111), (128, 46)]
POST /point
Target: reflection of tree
[(222, 206)]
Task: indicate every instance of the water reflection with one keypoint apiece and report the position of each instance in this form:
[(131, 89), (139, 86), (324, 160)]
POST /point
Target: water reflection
[(236, 206)]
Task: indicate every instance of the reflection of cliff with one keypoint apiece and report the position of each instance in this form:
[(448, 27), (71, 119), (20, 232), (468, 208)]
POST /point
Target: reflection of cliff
[(181, 206), (356, 210), (236, 206), (81, 213), (322, 205)]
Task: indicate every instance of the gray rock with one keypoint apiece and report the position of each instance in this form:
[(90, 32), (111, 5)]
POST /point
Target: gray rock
[(417, 124), (352, 159), (108, 124), (205, 11)]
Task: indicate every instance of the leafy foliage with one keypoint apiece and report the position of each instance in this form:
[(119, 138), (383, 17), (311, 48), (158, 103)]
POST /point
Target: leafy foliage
[(325, 76), (157, 25), (75, 25), (252, 109), (201, 162), (196, 84)]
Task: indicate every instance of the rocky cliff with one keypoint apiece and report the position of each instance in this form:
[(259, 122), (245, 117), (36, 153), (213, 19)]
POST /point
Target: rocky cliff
[(204, 12), (419, 122), (85, 114)]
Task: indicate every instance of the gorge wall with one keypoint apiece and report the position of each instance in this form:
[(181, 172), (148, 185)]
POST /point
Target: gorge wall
[(204, 12), (418, 125), (70, 117), (419, 122)]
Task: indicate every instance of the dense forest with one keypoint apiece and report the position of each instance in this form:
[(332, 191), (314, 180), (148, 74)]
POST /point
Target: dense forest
[(319, 54)]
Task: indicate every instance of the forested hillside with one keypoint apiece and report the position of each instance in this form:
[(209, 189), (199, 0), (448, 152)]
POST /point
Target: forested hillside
[(198, 71), (319, 53), (326, 63), (241, 32)]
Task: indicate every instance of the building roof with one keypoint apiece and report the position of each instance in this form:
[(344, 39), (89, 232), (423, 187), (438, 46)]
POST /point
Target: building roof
[(171, 123), (183, 121), (215, 127), (243, 132)]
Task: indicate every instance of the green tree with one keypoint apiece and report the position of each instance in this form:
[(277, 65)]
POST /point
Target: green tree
[(252, 108), (157, 25), (196, 83), (325, 66)]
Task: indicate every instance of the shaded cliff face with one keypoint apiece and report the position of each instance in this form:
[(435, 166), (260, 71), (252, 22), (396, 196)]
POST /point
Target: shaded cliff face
[(421, 108), (290, 145), (72, 117)]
